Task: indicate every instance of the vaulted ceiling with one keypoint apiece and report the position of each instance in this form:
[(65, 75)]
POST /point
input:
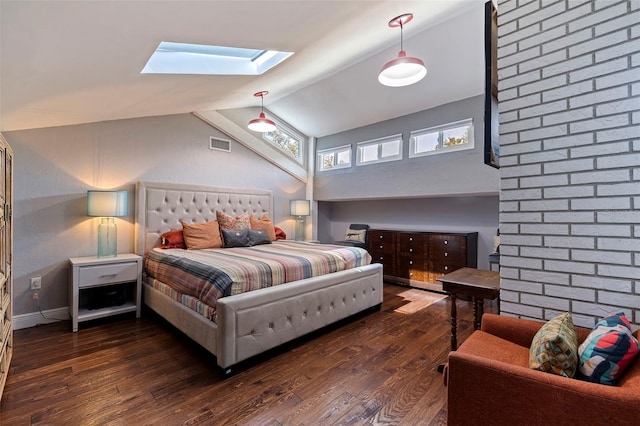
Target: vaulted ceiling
[(71, 62)]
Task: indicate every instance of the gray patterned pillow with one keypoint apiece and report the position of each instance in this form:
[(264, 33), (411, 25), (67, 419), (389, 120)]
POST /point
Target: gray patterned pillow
[(244, 237)]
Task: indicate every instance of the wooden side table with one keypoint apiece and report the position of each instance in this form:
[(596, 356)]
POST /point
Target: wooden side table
[(122, 273), (475, 283)]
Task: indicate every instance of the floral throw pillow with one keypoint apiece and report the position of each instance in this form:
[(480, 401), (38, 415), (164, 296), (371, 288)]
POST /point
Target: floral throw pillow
[(238, 223)]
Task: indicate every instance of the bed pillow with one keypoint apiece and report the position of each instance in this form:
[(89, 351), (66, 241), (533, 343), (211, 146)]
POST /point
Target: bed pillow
[(608, 350), (264, 223), (355, 235), (280, 234), (173, 239), (202, 235), (229, 222), (554, 348), (244, 237)]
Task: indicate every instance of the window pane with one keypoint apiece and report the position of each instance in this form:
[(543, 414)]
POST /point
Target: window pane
[(344, 157), (285, 142), (327, 160), (368, 153), (426, 143), (457, 136), (390, 149)]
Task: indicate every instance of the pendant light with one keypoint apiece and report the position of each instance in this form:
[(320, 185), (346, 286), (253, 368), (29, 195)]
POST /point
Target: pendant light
[(403, 70), (262, 124)]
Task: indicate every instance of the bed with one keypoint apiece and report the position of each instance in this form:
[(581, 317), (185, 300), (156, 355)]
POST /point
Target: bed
[(250, 323)]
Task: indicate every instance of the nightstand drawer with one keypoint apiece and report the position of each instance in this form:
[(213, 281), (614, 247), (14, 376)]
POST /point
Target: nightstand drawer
[(89, 276)]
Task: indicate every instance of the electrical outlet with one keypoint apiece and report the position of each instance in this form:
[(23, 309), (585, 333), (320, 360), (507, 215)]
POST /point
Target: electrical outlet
[(36, 283)]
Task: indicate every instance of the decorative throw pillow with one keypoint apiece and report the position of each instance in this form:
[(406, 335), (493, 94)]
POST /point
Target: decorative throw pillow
[(244, 237), (264, 223), (202, 235), (173, 239), (355, 235), (608, 350), (280, 234), (229, 222), (554, 348)]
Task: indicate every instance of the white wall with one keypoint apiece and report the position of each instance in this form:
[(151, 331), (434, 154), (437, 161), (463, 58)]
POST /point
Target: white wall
[(54, 167), (569, 135)]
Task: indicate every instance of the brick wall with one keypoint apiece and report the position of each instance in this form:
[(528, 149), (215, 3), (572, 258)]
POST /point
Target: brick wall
[(569, 90)]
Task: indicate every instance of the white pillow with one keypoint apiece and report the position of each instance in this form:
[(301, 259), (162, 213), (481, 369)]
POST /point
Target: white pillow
[(355, 235)]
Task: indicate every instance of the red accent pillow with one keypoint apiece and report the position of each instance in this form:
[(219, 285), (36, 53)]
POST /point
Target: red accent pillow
[(173, 239), (280, 235)]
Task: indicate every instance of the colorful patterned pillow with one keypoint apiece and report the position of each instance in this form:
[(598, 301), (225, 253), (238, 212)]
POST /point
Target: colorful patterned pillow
[(608, 350), (554, 348), (202, 235), (229, 222)]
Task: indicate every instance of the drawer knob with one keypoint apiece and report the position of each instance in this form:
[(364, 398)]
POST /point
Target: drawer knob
[(446, 254), (380, 236), (446, 268), (381, 257), (380, 246), (446, 242), (410, 238), (410, 274), (411, 262), (410, 250)]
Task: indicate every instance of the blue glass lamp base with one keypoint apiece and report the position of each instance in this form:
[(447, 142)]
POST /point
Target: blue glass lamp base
[(107, 238)]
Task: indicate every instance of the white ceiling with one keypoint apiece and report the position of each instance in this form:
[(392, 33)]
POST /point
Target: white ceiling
[(71, 62)]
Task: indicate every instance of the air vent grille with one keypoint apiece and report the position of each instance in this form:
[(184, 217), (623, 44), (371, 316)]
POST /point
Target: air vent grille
[(219, 144)]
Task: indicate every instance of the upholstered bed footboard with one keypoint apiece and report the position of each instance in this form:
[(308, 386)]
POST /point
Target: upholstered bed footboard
[(254, 322)]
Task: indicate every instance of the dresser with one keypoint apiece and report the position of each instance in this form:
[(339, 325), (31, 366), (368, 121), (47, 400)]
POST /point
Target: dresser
[(419, 258)]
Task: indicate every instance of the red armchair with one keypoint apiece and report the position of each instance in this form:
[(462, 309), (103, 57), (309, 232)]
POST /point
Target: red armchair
[(490, 383)]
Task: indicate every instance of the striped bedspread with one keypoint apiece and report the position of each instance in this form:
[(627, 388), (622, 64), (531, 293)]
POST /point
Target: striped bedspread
[(207, 275)]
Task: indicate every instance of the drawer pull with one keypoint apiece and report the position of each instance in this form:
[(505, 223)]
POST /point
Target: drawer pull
[(410, 274), (108, 275), (410, 250), (410, 238), (381, 257), (446, 268), (446, 254), (411, 262), (380, 236), (380, 246), (446, 242)]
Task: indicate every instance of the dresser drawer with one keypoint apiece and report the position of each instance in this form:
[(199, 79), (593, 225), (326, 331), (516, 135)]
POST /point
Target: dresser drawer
[(411, 244), (107, 274), (448, 249)]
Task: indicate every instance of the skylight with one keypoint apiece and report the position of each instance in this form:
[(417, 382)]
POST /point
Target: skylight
[(184, 58)]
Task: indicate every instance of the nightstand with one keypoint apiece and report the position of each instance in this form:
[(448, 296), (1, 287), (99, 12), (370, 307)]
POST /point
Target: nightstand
[(103, 286)]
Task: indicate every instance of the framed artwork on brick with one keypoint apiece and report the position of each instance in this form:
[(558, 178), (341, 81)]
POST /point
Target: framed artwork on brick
[(491, 141)]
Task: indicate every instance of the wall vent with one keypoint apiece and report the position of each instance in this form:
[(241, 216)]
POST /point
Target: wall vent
[(219, 144)]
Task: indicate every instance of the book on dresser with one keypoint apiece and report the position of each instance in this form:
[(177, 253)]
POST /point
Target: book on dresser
[(419, 258)]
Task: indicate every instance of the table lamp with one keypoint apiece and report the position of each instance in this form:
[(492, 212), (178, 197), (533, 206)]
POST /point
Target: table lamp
[(107, 205), (299, 208)]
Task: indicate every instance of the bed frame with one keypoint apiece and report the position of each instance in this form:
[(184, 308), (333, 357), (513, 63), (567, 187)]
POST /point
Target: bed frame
[(251, 323)]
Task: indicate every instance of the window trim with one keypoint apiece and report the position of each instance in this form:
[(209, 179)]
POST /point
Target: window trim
[(334, 150), (379, 142), (289, 131), (440, 129)]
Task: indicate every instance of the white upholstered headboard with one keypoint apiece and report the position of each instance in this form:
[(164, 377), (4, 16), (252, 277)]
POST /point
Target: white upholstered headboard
[(161, 206)]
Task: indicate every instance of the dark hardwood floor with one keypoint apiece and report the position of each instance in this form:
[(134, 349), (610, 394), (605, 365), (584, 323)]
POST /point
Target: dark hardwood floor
[(379, 368)]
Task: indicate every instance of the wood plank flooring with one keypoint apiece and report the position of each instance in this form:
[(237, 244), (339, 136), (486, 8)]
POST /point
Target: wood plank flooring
[(379, 368)]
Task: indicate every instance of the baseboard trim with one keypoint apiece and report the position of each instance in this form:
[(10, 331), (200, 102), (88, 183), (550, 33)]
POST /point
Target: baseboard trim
[(33, 319)]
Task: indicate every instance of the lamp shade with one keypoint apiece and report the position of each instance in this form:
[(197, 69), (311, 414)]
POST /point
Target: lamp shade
[(402, 71), (262, 124), (107, 203), (299, 207)]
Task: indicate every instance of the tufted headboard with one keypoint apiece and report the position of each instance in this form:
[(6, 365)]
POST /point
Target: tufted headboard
[(161, 206)]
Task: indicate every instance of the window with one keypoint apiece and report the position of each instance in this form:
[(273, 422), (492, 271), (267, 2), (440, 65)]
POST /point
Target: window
[(450, 137), (380, 150), (287, 142), (334, 158)]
